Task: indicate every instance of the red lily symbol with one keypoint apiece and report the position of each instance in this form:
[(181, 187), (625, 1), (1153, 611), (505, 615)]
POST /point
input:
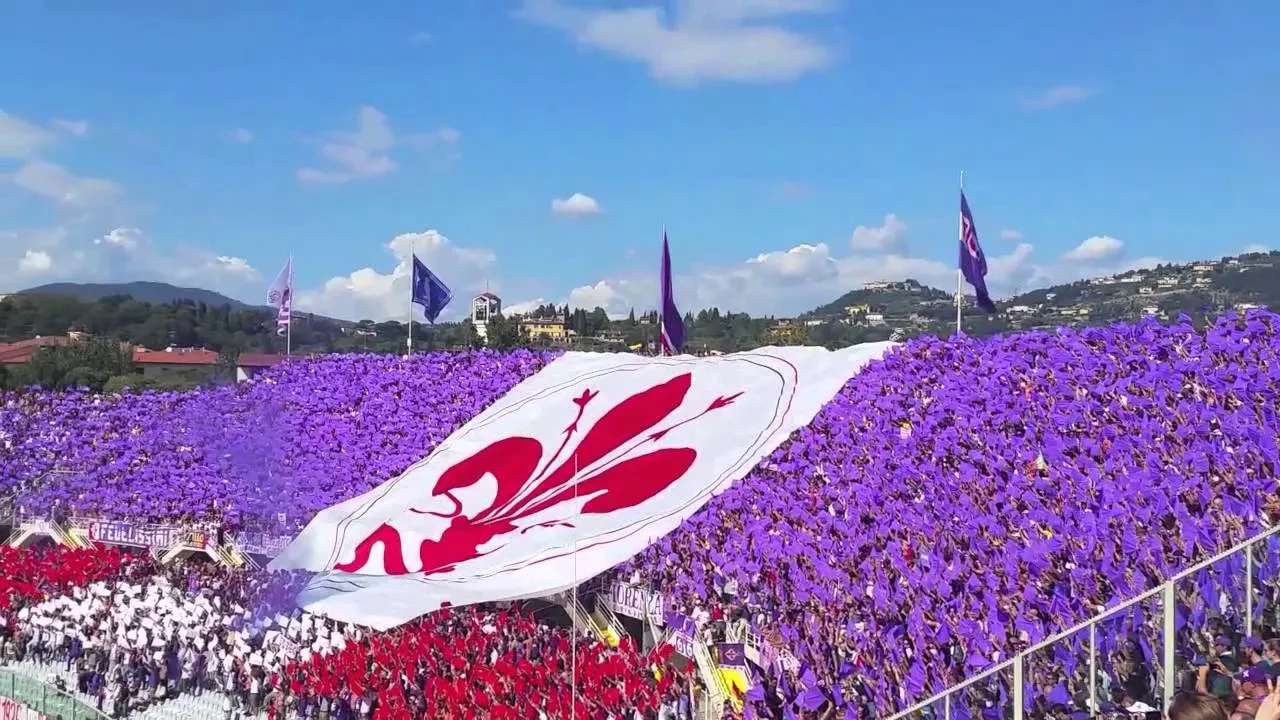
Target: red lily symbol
[(607, 465)]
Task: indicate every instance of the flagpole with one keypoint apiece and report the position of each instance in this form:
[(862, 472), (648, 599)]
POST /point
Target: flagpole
[(573, 657), (288, 329), (413, 251), (959, 271)]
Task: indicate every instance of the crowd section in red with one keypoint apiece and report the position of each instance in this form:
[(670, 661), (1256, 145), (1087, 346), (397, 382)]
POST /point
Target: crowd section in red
[(472, 663), (32, 574)]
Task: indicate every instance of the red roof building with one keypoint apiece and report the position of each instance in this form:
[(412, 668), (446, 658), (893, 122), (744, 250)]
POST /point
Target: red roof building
[(20, 353), (175, 356), (257, 360)]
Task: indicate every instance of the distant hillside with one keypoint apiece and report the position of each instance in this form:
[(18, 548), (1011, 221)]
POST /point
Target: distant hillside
[(1198, 289), (155, 293), (148, 292), (891, 298)]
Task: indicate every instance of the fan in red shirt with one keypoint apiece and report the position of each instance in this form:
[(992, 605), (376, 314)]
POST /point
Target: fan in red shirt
[(474, 664), (34, 573)]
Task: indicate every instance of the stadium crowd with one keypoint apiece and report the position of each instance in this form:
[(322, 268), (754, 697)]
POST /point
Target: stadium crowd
[(955, 503), (145, 634)]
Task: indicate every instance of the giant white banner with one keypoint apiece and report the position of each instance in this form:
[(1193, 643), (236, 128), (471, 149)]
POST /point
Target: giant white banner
[(575, 470)]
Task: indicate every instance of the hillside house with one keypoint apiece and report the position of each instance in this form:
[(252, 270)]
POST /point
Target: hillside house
[(552, 329)]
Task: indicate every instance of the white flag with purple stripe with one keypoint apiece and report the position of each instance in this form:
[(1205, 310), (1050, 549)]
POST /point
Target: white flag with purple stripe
[(280, 297)]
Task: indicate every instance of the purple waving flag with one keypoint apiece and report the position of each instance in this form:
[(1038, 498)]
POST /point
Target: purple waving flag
[(670, 324), (973, 263), (428, 291)]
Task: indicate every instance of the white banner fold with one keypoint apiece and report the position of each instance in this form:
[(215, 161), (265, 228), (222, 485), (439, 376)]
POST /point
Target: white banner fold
[(596, 456)]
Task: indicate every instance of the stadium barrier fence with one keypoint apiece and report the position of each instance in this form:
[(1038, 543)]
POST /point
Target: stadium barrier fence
[(44, 699), (1166, 678)]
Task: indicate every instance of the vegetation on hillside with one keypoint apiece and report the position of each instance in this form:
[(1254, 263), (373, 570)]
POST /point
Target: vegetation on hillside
[(879, 311)]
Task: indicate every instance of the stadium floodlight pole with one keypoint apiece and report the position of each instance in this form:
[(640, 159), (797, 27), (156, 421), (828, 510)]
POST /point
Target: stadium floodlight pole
[(959, 270)]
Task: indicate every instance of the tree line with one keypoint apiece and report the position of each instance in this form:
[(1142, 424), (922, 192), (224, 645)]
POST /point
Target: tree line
[(110, 324), (101, 363)]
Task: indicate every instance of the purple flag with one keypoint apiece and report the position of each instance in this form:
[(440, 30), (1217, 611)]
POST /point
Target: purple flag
[(670, 324), (428, 291), (973, 263)]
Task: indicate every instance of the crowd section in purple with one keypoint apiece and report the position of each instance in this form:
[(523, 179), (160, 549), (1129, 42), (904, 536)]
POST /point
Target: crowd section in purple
[(955, 502)]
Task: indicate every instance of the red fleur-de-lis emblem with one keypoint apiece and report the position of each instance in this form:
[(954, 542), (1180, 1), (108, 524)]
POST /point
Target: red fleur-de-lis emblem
[(613, 464)]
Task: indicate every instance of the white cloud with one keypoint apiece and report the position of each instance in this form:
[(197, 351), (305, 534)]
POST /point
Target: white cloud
[(24, 252), (1011, 235), (366, 151), (438, 138), (1254, 248), (79, 128), (612, 295), (889, 237), (1098, 248), (72, 252), (35, 262), (25, 141), (123, 238), (367, 293), (68, 190), (21, 139), (238, 267), (524, 307), (802, 277), (576, 205), (701, 40), (242, 135), (1057, 95)]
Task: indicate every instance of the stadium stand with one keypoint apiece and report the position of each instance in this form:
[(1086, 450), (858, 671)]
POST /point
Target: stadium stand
[(957, 504)]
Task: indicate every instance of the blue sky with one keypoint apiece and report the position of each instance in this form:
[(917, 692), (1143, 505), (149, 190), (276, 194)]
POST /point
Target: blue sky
[(793, 148)]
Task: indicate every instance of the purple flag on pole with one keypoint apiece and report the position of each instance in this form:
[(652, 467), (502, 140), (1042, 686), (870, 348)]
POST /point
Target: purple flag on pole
[(670, 324), (429, 291), (973, 263)]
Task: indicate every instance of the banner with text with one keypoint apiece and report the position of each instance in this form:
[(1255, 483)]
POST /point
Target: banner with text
[(13, 710), (120, 532), (680, 632), (636, 602)]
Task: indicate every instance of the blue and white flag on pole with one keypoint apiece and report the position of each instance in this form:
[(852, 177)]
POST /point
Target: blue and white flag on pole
[(428, 291)]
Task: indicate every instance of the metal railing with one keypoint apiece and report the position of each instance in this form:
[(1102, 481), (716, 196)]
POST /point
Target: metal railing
[(1166, 591), (258, 543), (717, 693), (12, 500), (45, 699), (607, 615), (582, 619)]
